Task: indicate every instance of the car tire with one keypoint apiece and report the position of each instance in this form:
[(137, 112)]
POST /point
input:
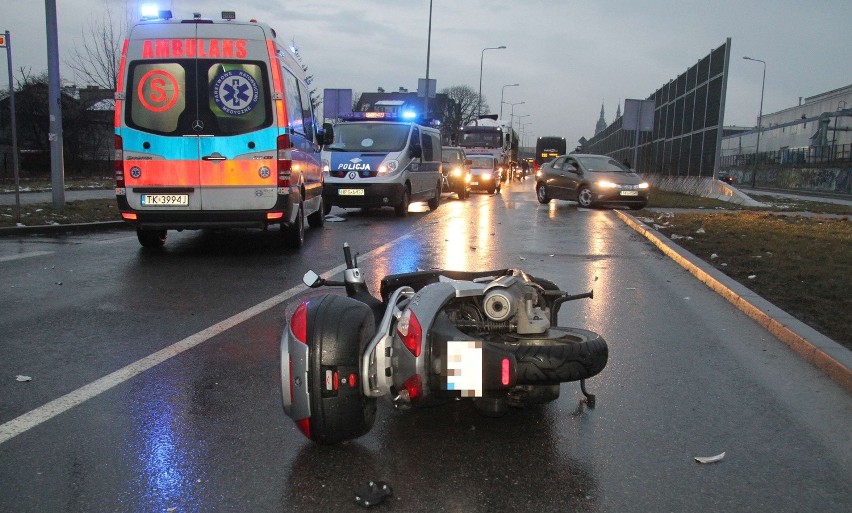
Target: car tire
[(294, 235), (435, 201), (401, 209), (568, 354), (541, 194), (584, 197), (154, 239), (339, 328)]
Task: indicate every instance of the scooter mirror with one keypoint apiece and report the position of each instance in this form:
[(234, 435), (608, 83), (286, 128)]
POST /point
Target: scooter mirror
[(311, 279)]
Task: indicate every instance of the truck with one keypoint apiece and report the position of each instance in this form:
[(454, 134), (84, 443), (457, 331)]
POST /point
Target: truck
[(491, 136)]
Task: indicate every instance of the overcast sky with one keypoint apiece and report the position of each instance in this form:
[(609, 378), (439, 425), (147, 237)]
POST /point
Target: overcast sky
[(567, 56)]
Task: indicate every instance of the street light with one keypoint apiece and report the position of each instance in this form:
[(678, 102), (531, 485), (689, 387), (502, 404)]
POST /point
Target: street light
[(513, 110), (479, 98), (759, 122), (501, 97)]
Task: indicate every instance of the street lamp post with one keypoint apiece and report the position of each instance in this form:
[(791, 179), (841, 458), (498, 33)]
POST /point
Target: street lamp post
[(759, 121), (501, 97), (481, 61)]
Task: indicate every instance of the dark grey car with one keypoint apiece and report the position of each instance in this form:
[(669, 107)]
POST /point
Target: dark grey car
[(590, 180)]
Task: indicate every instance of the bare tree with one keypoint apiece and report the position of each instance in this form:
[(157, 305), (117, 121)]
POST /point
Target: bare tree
[(460, 109), (96, 61)]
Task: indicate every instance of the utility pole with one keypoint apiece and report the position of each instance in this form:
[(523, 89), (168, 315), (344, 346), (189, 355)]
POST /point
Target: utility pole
[(57, 165)]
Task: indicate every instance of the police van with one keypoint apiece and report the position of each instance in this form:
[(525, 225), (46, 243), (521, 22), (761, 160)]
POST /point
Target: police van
[(214, 128), (378, 159)]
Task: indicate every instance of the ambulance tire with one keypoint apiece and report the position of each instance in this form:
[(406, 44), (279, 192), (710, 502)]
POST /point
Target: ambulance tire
[(435, 202), (151, 238), (401, 209), (317, 219), (339, 328), (294, 234)]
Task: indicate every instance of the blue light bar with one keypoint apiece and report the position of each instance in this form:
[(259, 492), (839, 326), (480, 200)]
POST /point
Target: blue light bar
[(409, 114)]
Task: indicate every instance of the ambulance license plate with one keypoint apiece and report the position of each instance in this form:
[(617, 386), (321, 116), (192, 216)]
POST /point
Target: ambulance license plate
[(629, 193), (350, 192), (165, 200)]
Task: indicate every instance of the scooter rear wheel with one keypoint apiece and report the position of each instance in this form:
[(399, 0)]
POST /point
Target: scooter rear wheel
[(567, 354), (339, 328)]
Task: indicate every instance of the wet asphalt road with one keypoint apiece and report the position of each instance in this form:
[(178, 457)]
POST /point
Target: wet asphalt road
[(203, 431)]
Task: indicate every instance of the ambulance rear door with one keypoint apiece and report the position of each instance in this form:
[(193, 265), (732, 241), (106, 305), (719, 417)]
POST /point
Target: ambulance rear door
[(161, 156), (237, 134)]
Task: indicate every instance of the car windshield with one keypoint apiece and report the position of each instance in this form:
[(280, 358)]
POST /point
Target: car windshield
[(603, 163), (482, 162), (451, 156), (380, 137)]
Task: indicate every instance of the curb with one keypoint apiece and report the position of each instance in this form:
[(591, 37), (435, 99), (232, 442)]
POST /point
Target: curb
[(54, 229), (815, 348)]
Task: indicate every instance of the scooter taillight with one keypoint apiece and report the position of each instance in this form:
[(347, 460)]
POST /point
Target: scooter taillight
[(408, 329), (299, 323), (414, 387)]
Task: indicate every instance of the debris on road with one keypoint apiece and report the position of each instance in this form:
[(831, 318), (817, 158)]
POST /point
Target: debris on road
[(372, 493), (710, 459), (23, 378)]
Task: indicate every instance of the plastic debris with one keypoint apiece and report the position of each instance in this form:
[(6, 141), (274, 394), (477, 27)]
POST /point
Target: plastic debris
[(372, 493), (710, 459), (23, 378), (752, 276), (334, 219), (522, 258), (714, 256), (700, 231)]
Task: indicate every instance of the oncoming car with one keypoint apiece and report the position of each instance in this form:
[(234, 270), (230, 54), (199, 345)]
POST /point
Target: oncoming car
[(456, 170), (485, 173), (590, 180)]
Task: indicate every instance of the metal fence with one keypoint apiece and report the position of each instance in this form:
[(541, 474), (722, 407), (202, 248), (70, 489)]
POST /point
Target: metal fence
[(809, 156)]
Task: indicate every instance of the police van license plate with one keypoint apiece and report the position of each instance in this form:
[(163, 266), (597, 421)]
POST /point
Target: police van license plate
[(350, 192), (629, 193), (165, 200), (464, 367)]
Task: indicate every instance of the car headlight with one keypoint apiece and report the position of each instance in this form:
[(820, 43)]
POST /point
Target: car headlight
[(457, 171), (486, 176), (643, 185), (606, 184), (388, 168)]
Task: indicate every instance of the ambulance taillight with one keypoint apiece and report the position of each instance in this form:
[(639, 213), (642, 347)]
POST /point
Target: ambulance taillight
[(118, 162), (285, 161)]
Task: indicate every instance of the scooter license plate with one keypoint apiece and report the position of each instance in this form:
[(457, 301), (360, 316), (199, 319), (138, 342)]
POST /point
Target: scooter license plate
[(464, 367)]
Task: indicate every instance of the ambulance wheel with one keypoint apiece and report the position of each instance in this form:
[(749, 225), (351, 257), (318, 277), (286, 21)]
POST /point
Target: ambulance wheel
[(294, 235), (436, 201), (339, 328), (401, 209), (317, 219), (151, 238)]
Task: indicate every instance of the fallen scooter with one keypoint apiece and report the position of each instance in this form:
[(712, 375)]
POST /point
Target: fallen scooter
[(437, 335)]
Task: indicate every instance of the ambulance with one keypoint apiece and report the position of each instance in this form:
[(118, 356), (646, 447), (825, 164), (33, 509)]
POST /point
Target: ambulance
[(382, 159), (214, 128)]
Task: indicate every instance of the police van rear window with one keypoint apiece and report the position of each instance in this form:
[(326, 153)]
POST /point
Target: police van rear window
[(198, 97)]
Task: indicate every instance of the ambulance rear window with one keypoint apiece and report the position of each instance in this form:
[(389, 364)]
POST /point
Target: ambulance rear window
[(198, 97)]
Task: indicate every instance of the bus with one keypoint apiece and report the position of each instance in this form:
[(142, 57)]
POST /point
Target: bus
[(548, 148)]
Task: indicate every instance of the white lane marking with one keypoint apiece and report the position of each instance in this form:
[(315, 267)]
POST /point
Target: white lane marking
[(46, 412), (30, 254)]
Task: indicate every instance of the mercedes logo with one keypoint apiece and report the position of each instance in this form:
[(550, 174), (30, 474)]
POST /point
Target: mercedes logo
[(197, 125)]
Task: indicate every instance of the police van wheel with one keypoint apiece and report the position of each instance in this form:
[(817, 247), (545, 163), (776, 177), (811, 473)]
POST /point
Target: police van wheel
[(401, 208), (326, 207), (317, 219), (295, 234), (151, 238), (436, 201)]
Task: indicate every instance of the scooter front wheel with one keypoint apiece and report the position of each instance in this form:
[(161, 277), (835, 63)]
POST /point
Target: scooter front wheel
[(338, 328), (566, 354)]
